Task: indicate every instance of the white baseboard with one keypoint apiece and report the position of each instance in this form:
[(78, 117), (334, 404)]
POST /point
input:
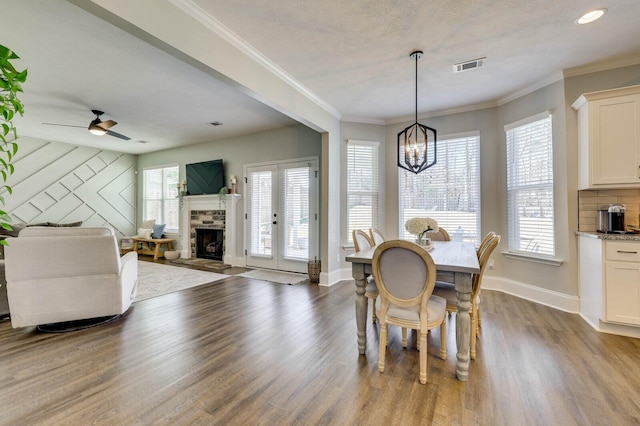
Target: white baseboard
[(334, 277), (611, 328), (554, 299)]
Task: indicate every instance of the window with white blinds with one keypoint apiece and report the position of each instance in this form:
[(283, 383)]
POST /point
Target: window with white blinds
[(362, 186), (530, 186), (261, 191), (448, 192), (160, 199), (295, 196)]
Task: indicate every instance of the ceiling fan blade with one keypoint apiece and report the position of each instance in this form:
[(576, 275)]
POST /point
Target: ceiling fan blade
[(106, 124), (118, 135), (63, 125)]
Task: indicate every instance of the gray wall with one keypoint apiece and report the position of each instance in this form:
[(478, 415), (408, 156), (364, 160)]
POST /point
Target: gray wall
[(273, 145), (59, 182), (563, 278)]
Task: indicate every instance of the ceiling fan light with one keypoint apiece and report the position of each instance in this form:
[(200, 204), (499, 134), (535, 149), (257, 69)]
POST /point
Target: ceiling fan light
[(97, 130)]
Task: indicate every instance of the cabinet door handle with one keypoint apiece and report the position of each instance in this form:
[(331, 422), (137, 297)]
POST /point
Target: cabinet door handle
[(627, 252)]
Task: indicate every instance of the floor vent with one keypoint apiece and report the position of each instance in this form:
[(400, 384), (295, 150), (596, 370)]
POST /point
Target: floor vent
[(469, 65)]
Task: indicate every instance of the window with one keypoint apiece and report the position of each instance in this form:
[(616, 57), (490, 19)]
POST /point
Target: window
[(160, 200), (362, 186), (448, 192), (530, 186)]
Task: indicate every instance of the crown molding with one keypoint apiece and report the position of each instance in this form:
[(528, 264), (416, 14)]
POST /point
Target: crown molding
[(601, 66), (363, 120), (223, 31), (438, 113), (557, 76)]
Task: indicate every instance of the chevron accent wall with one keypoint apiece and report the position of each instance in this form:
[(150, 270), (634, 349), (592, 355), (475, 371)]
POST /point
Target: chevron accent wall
[(58, 182)]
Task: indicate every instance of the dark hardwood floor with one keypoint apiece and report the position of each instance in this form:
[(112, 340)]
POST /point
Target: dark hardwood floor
[(242, 351)]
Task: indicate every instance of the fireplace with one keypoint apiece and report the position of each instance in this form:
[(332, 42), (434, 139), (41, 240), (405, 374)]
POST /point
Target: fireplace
[(210, 243), (216, 212)]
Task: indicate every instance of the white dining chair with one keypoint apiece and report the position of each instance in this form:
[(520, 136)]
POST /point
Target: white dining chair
[(376, 236), (406, 299), (441, 235)]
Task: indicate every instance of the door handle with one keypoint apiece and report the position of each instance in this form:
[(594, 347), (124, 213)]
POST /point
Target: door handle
[(627, 252)]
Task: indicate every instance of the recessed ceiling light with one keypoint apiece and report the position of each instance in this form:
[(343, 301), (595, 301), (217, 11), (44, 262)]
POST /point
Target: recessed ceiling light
[(591, 16)]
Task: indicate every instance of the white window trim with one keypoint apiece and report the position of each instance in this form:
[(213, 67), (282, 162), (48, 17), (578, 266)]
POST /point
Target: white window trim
[(168, 231), (346, 244), (523, 255)]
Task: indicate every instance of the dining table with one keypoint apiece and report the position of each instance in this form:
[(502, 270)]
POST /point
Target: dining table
[(456, 262)]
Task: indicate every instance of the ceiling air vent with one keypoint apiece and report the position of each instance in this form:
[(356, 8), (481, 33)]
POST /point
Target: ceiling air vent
[(469, 65)]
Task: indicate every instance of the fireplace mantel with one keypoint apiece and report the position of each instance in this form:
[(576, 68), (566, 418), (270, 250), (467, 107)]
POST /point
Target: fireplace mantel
[(228, 203)]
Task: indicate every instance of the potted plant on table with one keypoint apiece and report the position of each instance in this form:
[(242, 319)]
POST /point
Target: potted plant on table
[(419, 226)]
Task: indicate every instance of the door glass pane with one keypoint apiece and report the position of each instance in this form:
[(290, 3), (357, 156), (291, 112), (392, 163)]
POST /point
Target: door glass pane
[(294, 196), (261, 201)]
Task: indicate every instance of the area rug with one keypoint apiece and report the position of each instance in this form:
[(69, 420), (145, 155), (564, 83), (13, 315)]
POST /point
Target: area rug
[(275, 276), (206, 263), (155, 279)]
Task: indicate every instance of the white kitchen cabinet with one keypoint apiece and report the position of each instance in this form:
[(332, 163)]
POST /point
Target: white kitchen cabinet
[(622, 282), (610, 283), (609, 138)]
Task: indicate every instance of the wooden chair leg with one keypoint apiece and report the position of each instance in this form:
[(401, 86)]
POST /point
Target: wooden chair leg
[(423, 357), (443, 340), (479, 317), (404, 337), (383, 346)]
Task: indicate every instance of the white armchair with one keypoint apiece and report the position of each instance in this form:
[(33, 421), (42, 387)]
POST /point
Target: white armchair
[(57, 275)]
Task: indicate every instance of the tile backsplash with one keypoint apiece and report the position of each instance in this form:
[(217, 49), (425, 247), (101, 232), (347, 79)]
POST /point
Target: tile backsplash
[(590, 201)]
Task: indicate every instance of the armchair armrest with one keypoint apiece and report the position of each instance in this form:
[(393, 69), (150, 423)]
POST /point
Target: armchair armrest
[(129, 275)]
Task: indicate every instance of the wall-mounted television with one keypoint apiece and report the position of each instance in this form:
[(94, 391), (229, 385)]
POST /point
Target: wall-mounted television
[(206, 177)]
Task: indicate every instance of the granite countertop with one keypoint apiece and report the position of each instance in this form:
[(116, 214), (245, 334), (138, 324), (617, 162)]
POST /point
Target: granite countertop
[(601, 236)]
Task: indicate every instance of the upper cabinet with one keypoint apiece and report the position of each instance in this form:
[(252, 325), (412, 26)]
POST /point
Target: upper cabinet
[(609, 138)]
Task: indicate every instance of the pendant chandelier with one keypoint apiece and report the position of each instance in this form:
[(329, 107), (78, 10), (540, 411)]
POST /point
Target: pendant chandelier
[(417, 143)]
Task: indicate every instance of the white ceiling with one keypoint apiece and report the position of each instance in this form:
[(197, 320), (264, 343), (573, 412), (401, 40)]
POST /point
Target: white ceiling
[(353, 55)]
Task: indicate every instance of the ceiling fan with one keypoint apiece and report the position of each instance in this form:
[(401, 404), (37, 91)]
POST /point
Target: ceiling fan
[(97, 126)]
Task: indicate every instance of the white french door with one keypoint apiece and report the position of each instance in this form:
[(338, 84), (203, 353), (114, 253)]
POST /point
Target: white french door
[(282, 221)]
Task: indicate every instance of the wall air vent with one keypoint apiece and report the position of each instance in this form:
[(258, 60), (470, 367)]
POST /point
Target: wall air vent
[(469, 65)]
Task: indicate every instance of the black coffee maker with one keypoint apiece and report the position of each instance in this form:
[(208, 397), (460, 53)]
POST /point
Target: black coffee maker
[(616, 219)]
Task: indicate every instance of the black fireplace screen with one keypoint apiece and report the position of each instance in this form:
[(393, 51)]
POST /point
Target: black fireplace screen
[(209, 243)]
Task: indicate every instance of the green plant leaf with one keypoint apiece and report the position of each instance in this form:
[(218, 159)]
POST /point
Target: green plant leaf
[(22, 76), (9, 190)]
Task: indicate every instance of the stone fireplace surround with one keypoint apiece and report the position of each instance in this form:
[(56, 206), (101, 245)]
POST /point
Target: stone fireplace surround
[(210, 211)]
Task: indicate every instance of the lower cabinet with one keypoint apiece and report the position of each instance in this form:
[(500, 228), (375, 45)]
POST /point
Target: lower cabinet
[(622, 282), (609, 281)]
